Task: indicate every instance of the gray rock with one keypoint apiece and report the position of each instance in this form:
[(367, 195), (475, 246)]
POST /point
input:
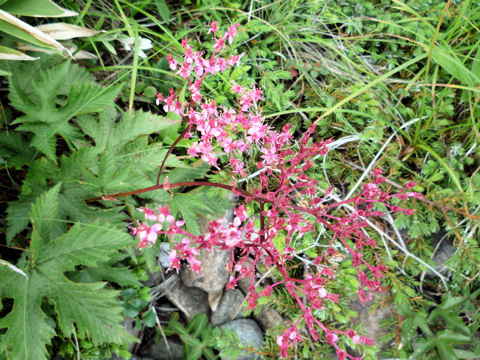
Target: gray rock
[(268, 318), (133, 357), (129, 325), (189, 300), (372, 320), (214, 274), (214, 300), (249, 334), (163, 255), (230, 307), (444, 250), (160, 351)]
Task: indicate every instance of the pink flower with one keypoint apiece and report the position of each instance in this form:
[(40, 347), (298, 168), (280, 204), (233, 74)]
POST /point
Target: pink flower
[(172, 62), (213, 28), (166, 184), (331, 338), (232, 32)]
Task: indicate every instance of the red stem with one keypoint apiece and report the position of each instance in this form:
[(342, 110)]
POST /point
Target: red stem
[(170, 151)]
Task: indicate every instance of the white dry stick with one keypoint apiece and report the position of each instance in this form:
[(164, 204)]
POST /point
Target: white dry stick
[(380, 152), (13, 267), (164, 337)]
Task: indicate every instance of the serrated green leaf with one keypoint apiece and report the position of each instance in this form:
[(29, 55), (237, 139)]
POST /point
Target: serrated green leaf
[(52, 99), (104, 272), (18, 216), (138, 123), (15, 149), (44, 212), (92, 309)]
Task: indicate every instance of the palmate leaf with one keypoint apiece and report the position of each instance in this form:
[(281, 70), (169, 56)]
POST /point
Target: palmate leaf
[(52, 98), (88, 307), (109, 134), (15, 150), (201, 201)]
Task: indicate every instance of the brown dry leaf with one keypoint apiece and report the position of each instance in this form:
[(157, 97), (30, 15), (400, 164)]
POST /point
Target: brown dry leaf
[(11, 54), (28, 30), (79, 55), (64, 31)]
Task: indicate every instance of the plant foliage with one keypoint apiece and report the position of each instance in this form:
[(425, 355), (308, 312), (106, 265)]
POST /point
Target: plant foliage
[(87, 309)]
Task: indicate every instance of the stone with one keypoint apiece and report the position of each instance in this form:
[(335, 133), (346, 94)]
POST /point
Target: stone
[(129, 325), (372, 321), (163, 255), (189, 300), (249, 334), (160, 351), (214, 300), (268, 318), (230, 307), (214, 274)]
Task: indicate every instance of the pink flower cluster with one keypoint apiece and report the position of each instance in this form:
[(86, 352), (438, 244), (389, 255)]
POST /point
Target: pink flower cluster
[(288, 196)]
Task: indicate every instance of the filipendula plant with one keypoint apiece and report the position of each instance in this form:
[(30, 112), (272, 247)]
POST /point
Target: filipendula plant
[(70, 248), (228, 136), (82, 309)]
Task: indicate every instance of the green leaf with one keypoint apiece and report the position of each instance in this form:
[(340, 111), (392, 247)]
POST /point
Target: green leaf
[(192, 349), (163, 10), (444, 164), (44, 212), (52, 99), (197, 202), (89, 307), (421, 321), (464, 354), (446, 58), (449, 336), (7, 53), (192, 343), (445, 350), (21, 30), (452, 302), (18, 216), (105, 272), (38, 8), (15, 149), (135, 124), (422, 348), (177, 327), (149, 318), (455, 322), (197, 324)]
